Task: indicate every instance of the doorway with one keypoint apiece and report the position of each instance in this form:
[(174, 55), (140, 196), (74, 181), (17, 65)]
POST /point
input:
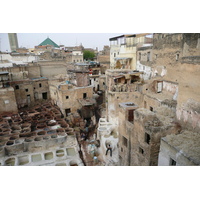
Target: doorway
[(44, 95)]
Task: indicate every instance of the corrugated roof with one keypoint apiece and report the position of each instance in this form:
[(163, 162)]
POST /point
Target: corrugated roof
[(48, 41)]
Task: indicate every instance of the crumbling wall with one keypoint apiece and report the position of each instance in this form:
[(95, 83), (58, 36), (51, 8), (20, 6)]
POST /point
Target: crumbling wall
[(183, 149), (7, 100), (189, 114), (148, 129), (82, 79)]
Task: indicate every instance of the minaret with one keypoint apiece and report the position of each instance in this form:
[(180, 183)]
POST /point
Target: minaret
[(13, 41)]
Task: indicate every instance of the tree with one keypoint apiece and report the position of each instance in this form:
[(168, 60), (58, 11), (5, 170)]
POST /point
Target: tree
[(88, 55)]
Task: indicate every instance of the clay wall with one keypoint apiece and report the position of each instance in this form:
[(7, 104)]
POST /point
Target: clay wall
[(177, 61), (51, 69), (8, 100), (147, 132)]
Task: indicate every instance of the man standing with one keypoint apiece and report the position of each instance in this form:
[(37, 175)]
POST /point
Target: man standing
[(109, 149)]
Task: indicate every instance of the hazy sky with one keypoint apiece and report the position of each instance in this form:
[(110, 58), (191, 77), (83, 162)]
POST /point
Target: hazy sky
[(88, 40)]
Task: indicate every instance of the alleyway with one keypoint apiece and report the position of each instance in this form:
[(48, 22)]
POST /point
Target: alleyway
[(88, 159)]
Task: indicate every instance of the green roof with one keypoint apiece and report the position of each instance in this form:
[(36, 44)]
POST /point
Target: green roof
[(48, 41)]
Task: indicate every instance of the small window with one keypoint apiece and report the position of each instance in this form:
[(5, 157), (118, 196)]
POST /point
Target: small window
[(26, 90), (145, 104), (67, 97), (148, 56), (17, 87), (67, 111), (139, 56), (177, 57), (151, 109), (84, 95), (40, 85), (172, 162), (141, 150), (147, 138), (6, 101), (122, 149), (124, 141), (130, 115)]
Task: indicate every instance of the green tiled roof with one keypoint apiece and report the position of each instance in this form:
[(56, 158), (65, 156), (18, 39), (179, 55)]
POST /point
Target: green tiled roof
[(48, 41)]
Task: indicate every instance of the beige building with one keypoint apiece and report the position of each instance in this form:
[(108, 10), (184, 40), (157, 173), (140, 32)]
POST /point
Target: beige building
[(123, 50), (161, 106), (70, 98)]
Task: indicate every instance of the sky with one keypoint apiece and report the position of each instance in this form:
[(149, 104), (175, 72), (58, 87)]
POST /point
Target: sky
[(30, 40)]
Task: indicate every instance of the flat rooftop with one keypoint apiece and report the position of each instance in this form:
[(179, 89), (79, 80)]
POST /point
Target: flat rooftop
[(186, 143)]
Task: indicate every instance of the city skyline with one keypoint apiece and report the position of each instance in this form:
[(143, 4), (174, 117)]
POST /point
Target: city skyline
[(30, 40)]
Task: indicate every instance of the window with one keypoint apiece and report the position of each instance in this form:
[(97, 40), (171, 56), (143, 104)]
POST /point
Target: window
[(141, 150), (159, 86), (139, 56), (17, 87), (114, 54), (130, 115), (151, 109), (67, 111), (172, 162), (40, 85), (124, 141), (145, 104), (148, 56), (67, 97), (26, 90), (6, 101), (121, 149), (177, 57), (147, 138), (84, 95)]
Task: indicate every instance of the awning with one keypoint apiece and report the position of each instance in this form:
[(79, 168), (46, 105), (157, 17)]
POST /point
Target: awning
[(123, 58), (87, 102), (4, 73), (120, 76)]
